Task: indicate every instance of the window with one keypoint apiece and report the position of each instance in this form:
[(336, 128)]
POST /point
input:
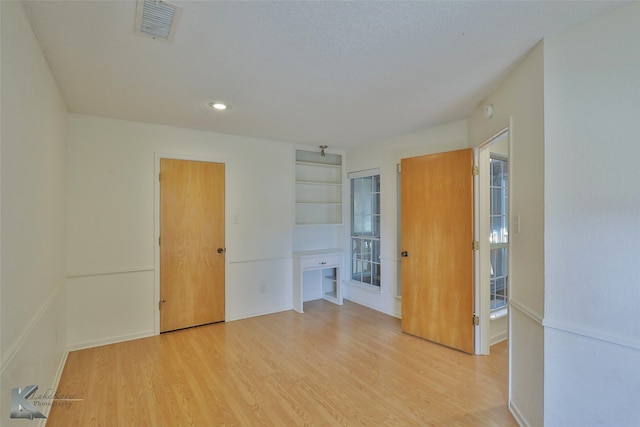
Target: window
[(365, 227), (498, 231)]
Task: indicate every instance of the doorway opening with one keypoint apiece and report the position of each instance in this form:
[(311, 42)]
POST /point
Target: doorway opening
[(493, 209)]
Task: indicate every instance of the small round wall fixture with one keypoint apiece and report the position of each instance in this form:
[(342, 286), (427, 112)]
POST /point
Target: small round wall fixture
[(488, 110), (217, 105)]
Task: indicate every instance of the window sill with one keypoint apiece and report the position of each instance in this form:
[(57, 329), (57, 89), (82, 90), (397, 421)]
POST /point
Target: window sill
[(497, 314)]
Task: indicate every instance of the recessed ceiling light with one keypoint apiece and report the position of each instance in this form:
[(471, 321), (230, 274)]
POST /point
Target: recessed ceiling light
[(218, 105)]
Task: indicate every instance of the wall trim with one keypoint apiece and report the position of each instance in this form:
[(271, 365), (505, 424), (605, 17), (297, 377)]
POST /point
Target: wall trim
[(525, 309), (111, 340), (517, 414), (110, 272), (574, 329), (268, 259), (22, 338)]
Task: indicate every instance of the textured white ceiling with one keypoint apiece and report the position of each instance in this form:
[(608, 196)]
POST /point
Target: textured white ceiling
[(310, 72)]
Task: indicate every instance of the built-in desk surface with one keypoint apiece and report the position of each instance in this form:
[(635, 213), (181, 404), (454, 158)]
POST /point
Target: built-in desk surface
[(330, 262)]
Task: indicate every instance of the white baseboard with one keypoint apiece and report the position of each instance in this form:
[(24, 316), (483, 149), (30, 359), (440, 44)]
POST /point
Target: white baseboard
[(258, 313), (63, 361), (498, 338), (389, 313), (54, 387), (515, 411), (498, 330), (110, 340)]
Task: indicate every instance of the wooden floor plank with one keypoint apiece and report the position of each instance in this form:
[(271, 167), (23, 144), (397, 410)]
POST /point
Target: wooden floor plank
[(333, 365)]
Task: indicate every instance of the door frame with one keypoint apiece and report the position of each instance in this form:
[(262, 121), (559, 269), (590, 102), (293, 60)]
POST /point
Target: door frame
[(482, 288), (156, 228)]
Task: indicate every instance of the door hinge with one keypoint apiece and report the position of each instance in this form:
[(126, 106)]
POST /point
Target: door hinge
[(159, 177), (399, 165), (475, 170), (158, 241), (475, 245), (476, 320)]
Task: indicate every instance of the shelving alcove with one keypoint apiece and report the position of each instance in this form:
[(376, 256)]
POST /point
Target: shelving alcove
[(318, 188)]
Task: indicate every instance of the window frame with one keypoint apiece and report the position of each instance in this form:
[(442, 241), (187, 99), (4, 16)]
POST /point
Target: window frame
[(364, 238), (502, 245)]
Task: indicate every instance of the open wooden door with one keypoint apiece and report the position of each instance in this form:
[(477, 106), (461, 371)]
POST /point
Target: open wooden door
[(192, 253), (437, 248)]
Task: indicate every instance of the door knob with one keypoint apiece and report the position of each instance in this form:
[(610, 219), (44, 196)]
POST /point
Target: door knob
[(404, 254), (220, 250)]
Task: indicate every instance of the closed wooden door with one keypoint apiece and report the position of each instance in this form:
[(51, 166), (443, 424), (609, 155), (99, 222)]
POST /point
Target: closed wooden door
[(192, 255), (437, 248)]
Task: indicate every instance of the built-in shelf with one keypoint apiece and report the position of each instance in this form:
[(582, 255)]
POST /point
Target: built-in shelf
[(318, 188)]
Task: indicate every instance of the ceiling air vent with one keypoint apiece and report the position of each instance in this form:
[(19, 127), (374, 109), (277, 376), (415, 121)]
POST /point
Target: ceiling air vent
[(157, 19)]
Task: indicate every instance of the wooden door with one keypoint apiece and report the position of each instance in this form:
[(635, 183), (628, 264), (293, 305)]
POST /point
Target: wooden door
[(437, 248), (192, 256)]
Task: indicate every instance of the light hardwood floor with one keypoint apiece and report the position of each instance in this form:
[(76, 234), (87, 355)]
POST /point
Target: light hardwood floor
[(331, 366)]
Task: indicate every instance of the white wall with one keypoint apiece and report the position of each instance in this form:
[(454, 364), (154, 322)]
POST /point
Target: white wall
[(592, 222), (112, 239), (33, 214), (518, 103), (386, 155)]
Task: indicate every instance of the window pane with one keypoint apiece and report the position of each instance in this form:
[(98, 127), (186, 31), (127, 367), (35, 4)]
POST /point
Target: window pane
[(376, 225), (505, 228), (354, 246), (498, 262), (366, 225), (495, 172), (495, 230), (357, 225), (358, 185), (366, 272), (366, 204), (375, 251), (376, 275), (366, 250), (496, 201), (367, 184), (499, 275), (358, 204)]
